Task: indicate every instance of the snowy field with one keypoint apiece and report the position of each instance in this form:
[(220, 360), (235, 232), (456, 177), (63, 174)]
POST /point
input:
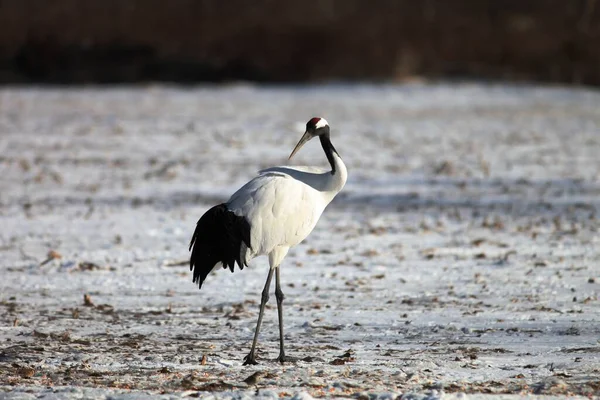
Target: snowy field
[(462, 259)]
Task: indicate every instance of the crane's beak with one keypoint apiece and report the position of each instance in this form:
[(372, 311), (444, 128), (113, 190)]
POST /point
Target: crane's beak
[(305, 138)]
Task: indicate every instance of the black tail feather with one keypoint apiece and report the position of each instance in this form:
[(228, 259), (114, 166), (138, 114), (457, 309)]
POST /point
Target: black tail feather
[(220, 236)]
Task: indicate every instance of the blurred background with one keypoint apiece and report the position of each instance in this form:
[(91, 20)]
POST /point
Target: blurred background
[(463, 254), (112, 41)]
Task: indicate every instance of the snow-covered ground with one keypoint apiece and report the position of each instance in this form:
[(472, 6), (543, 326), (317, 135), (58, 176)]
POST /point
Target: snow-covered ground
[(462, 256)]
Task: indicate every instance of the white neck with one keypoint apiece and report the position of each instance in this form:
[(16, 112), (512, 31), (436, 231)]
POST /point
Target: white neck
[(337, 181), (329, 183)]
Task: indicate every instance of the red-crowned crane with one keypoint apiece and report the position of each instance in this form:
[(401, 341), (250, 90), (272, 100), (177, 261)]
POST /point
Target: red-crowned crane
[(273, 212)]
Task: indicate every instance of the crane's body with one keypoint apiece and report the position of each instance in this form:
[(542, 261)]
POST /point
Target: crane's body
[(283, 204), (267, 216)]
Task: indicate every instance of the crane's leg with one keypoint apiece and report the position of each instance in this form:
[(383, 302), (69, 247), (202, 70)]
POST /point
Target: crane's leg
[(279, 296), (250, 359)]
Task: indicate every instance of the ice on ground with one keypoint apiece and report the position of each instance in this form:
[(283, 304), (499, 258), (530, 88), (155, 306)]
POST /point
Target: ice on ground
[(462, 256)]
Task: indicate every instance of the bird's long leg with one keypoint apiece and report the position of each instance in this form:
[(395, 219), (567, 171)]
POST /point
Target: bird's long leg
[(251, 358), (279, 296)]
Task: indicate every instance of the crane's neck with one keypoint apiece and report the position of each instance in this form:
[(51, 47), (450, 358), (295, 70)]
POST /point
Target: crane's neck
[(339, 173)]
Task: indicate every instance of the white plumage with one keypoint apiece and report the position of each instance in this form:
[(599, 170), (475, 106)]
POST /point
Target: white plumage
[(283, 205), (273, 212)]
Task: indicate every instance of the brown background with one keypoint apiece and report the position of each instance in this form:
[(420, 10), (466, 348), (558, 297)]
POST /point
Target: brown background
[(82, 41)]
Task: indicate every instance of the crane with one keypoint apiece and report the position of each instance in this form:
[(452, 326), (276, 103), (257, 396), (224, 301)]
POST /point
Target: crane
[(267, 216)]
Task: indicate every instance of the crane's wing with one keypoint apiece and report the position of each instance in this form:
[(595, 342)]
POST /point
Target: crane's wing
[(220, 237), (281, 210)]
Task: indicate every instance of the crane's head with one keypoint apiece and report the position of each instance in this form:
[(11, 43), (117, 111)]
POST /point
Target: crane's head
[(314, 127)]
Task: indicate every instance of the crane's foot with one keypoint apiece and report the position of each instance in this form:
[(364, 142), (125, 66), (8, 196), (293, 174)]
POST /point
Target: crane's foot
[(286, 359), (250, 359)]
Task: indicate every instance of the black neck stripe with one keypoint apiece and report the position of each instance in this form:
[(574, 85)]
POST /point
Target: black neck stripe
[(329, 150)]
